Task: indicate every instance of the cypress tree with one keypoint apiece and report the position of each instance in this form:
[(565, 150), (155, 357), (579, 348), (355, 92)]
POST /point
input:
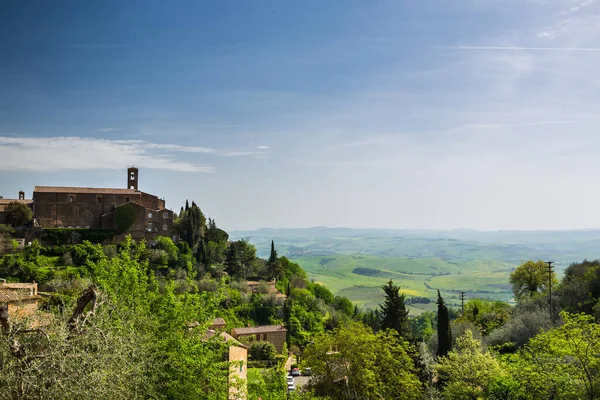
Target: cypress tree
[(187, 205), (273, 255), (393, 311), (275, 268), (443, 328)]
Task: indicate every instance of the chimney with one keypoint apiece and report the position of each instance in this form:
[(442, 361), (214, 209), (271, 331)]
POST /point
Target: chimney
[(21, 195)]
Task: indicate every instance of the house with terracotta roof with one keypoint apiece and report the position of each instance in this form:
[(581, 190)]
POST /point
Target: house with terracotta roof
[(218, 324), (126, 210), (274, 334), (238, 364)]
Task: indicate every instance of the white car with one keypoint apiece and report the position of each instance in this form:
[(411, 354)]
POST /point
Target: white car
[(290, 379), (291, 387)]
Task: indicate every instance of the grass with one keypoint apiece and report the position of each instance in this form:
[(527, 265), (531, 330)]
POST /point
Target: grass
[(416, 276)]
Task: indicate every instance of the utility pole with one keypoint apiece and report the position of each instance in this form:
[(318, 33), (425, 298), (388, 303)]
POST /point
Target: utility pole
[(462, 301), (550, 270)]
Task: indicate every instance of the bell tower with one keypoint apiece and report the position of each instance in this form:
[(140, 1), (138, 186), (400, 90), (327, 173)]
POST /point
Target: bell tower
[(132, 178), (21, 195)]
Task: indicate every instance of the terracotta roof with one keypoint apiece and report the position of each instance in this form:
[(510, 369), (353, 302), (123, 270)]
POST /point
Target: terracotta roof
[(5, 202), (258, 329), (61, 189), (8, 201), (218, 322), (256, 283), (228, 338), (9, 296)]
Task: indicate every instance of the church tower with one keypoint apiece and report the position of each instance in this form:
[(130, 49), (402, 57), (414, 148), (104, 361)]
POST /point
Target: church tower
[(132, 178)]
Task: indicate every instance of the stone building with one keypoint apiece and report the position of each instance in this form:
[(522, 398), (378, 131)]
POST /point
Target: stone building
[(127, 210), (274, 334), (238, 365)]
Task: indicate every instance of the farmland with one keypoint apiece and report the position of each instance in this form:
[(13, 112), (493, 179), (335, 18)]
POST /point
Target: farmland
[(355, 263), (360, 277)]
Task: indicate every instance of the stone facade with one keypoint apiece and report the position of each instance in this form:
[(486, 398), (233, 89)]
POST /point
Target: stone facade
[(238, 372), (98, 208), (274, 334)]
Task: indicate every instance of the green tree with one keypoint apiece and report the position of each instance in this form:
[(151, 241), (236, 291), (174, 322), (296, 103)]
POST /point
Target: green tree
[(443, 328), (564, 362), (579, 290), (18, 214), (262, 351), (530, 278), (393, 311), (354, 363), (275, 269), (273, 254), (468, 370), (240, 260)]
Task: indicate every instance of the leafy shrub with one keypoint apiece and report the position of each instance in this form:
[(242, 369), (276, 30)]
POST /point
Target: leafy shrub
[(263, 351)]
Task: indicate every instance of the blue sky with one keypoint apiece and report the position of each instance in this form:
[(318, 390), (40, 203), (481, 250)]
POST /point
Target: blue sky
[(393, 114)]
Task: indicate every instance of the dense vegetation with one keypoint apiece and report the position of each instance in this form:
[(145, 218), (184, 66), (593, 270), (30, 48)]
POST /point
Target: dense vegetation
[(145, 334)]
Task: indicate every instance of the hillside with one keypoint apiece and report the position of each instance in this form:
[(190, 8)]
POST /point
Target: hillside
[(421, 261)]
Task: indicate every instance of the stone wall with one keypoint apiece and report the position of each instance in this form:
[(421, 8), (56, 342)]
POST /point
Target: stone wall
[(238, 373), (62, 210)]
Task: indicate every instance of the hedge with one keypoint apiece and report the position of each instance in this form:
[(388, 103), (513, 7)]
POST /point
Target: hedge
[(63, 236)]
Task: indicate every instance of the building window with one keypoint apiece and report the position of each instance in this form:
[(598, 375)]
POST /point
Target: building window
[(138, 227), (149, 226), (165, 215), (164, 227), (99, 200), (149, 215), (264, 336), (71, 199), (126, 199), (258, 336)]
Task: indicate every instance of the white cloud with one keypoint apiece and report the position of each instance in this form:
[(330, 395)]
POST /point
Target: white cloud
[(511, 48), (76, 153), (263, 147), (107, 130)]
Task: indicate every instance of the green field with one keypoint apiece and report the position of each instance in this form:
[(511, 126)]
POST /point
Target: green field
[(360, 277)]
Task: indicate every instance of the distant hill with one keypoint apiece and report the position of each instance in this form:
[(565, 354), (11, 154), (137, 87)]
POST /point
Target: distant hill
[(564, 247), (356, 262)]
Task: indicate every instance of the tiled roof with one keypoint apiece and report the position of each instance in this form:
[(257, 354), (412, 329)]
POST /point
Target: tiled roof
[(218, 322), (258, 329), (5, 202), (228, 338), (60, 189), (8, 201)]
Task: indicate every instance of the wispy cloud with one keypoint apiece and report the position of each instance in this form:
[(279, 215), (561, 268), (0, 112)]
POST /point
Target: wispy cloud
[(77, 153), (263, 147), (95, 45), (107, 130), (517, 48)]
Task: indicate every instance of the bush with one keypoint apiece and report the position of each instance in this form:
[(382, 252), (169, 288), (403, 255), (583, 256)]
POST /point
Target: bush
[(262, 351), (63, 236)]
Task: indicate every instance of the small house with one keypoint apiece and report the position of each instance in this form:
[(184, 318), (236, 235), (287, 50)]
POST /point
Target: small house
[(274, 334)]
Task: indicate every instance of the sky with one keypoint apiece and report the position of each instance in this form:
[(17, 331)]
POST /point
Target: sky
[(480, 114)]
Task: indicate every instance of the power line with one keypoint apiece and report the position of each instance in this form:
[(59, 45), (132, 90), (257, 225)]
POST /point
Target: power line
[(462, 300)]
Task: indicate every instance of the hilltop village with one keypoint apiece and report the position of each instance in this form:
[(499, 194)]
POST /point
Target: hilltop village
[(106, 293)]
